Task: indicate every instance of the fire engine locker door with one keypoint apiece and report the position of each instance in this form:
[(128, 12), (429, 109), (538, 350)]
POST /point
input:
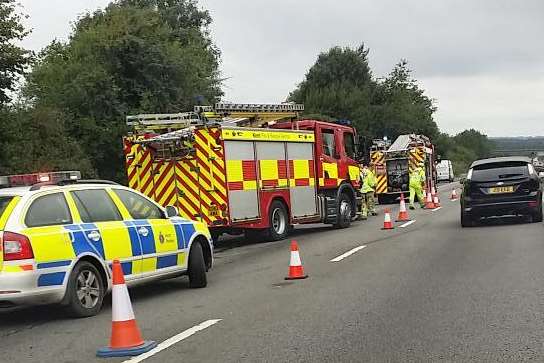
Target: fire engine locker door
[(241, 180), (302, 187)]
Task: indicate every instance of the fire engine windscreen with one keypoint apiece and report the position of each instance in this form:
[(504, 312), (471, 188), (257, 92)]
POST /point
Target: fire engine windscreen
[(398, 176)]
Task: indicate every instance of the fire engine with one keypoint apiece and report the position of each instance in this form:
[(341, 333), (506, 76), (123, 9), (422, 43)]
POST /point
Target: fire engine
[(246, 168), (392, 164)]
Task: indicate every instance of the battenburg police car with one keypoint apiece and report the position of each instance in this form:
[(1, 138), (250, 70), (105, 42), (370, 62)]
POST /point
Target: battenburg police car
[(59, 236)]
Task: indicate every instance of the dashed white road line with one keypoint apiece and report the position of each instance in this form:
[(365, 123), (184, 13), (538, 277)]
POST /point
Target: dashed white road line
[(175, 339), (434, 210), (347, 254), (407, 224)]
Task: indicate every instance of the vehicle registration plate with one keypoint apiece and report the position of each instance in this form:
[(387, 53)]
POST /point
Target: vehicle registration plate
[(500, 190)]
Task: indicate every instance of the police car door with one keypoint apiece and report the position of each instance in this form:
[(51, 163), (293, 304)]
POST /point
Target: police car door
[(162, 247), (100, 230)]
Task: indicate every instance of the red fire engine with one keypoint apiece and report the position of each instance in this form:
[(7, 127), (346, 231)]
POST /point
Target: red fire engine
[(216, 169)]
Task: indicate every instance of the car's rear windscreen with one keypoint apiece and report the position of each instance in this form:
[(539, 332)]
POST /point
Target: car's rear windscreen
[(500, 171), (4, 201)]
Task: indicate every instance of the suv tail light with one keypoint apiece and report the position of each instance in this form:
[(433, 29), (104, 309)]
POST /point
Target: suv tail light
[(16, 246)]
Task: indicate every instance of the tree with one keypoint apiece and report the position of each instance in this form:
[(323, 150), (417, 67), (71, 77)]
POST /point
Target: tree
[(136, 56), (13, 59)]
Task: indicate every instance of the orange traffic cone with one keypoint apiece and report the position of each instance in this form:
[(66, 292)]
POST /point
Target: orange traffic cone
[(429, 204), (296, 271), (403, 214), (126, 339), (387, 224), (453, 195), (436, 201)]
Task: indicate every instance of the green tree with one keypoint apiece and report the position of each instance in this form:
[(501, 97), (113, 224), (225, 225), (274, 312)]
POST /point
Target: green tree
[(36, 140), (133, 57), (13, 58)]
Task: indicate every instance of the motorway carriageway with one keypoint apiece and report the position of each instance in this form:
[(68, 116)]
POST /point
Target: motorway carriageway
[(430, 291)]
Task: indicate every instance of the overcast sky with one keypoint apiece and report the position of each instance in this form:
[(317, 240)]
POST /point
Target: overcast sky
[(482, 61)]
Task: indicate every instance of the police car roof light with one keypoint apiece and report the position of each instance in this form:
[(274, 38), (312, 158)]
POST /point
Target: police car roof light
[(38, 178)]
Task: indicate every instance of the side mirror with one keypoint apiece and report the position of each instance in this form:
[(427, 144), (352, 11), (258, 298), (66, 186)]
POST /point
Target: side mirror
[(171, 211)]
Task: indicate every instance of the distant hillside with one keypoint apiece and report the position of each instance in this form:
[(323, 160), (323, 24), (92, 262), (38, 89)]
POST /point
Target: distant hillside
[(524, 144)]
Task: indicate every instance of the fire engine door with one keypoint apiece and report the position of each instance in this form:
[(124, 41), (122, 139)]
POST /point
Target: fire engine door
[(241, 180)]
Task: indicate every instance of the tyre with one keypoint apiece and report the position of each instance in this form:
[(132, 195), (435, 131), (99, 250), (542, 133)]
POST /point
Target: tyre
[(278, 221), (466, 220), (344, 211), (85, 291), (537, 217), (197, 267)]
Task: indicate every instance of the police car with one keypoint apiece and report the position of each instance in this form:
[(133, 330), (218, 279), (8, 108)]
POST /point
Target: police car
[(59, 235)]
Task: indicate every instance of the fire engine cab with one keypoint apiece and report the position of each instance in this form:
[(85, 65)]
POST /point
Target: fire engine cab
[(246, 168)]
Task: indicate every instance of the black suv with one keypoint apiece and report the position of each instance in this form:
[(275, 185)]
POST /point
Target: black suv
[(499, 187)]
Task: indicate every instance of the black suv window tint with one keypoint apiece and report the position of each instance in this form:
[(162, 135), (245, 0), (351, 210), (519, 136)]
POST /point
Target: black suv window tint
[(329, 146), (48, 210), (349, 145), (138, 206), (500, 171), (95, 205)]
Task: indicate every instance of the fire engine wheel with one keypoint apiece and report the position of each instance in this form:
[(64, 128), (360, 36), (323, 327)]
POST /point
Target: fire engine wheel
[(279, 221), (344, 213), (85, 290)]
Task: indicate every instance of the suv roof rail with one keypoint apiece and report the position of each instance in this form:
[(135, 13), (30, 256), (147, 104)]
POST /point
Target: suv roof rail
[(38, 186)]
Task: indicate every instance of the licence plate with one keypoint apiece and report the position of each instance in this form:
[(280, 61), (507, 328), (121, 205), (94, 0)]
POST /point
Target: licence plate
[(500, 190)]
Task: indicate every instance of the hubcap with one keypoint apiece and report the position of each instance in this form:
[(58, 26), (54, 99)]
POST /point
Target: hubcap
[(345, 210), (278, 221), (87, 289)]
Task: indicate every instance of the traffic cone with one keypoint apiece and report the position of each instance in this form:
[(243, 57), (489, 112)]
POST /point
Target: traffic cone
[(403, 214), (296, 271), (453, 195), (387, 224), (126, 339), (429, 204), (436, 201)]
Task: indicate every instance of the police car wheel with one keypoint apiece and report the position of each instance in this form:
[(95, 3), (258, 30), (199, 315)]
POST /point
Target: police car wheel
[(85, 290), (197, 267), (279, 221)]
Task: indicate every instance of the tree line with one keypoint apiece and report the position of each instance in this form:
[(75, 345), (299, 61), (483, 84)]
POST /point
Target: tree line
[(64, 107)]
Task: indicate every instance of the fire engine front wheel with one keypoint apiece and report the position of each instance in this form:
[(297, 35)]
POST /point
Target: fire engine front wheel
[(279, 221), (344, 213)]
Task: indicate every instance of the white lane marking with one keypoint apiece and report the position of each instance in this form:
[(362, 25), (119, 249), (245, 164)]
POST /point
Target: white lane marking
[(175, 339), (349, 253), (407, 223), (434, 210)]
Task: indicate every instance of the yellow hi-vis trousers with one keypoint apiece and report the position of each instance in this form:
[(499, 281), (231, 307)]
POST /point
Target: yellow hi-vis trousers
[(416, 190)]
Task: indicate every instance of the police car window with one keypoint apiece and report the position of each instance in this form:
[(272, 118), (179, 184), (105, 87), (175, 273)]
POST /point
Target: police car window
[(349, 145), (138, 206), (95, 205), (48, 210), (328, 142), (4, 201)]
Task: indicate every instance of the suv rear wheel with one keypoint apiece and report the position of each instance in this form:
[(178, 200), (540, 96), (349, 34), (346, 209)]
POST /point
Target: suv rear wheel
[(537, 217), (466, 220)]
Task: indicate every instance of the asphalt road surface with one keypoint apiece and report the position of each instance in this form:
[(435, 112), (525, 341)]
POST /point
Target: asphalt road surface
[(431, 291)]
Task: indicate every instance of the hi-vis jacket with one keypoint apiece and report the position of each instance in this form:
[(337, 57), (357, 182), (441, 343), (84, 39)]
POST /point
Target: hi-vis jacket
[(417, 177), (369, 181)]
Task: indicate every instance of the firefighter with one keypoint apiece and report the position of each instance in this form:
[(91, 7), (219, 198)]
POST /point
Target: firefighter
[(368, 186), (417, 183)]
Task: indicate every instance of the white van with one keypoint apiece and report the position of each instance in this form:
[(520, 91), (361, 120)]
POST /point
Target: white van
[(444, 170)]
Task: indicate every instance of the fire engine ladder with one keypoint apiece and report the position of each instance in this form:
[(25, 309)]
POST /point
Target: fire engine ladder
[(250, 114), (163, 121)]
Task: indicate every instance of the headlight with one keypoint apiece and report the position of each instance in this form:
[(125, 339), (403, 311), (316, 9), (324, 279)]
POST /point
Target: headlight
[(531, 169), (469, 174)]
